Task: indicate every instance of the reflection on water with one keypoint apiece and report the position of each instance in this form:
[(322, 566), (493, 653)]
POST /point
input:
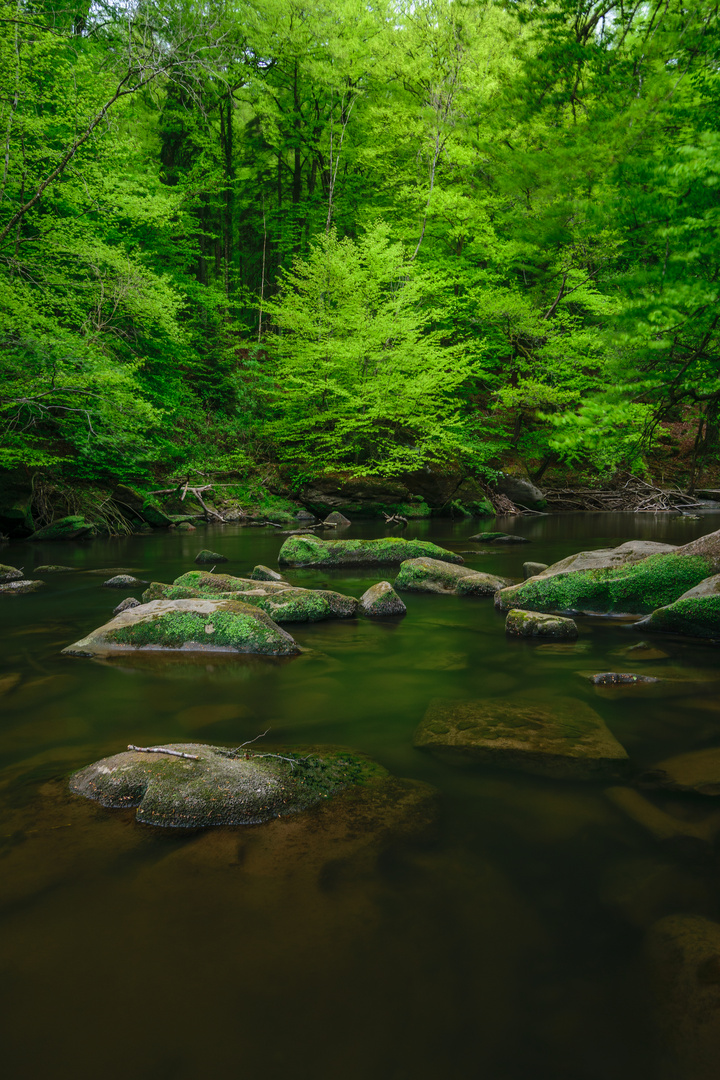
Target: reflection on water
[(500, 936)]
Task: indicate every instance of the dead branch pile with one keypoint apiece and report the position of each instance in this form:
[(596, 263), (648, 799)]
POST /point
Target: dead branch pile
[(627, 493)]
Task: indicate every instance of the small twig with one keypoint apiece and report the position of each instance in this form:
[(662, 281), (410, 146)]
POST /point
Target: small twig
[(163, 750)]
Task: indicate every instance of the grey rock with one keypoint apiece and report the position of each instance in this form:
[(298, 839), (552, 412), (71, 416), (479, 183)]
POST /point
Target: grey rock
[(530, 569), (125, 605), (604, 558), (533, 624), (567, 740), (434, 575), (52, 569), (337, 519), (381, 600), (521, 491), (264, 573), (22, 586), (206, 556), (9, 573), (621, 678), (124, 581)]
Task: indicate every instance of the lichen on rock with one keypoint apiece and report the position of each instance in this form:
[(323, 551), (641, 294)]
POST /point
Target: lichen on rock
[(381, 601), (533, 624)]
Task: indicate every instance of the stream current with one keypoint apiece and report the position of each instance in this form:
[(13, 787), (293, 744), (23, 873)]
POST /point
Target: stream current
[(506, 943)]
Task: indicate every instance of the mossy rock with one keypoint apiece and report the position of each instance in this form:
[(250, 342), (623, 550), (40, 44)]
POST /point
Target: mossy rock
[(282, 602), (433, 575), (51, 569), (381, 601), (690, 616), (697, 771), (533, 624), (123, 581), (634, 588), (9, 573), (67, 528), (189, 625), (210, 557), (567, 741), (155, 516), (305, 550), (499, 538), (221, 787), (264, 573), (17, 588)]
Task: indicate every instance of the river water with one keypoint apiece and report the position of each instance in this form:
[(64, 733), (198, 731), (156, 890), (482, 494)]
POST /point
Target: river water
[(505, 943)]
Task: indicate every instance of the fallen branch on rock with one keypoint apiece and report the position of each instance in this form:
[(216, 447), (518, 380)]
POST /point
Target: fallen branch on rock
[(163, 750)]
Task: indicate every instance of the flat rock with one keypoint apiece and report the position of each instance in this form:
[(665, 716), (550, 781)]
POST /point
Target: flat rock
[(567, 741), (281, 601), (206, 556), (221, 787), (682, 954), (533, 624), (264, 573), (22, 586), (51, 569), (499, 538), (644, 651), (697, 771), (124, 581), (433, 575), (10, 573), (198, 625), (620, 678), (381, 600), (307, 550)]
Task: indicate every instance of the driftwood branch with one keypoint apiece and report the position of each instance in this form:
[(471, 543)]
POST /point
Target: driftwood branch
[(627, 493), (163, 750), (395, 519)]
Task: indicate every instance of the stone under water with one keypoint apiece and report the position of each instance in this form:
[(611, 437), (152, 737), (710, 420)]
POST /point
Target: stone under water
[(215, 785)]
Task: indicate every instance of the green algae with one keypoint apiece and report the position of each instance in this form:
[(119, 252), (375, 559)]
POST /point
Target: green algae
[(306, 550), (222, 786), (635, 587)]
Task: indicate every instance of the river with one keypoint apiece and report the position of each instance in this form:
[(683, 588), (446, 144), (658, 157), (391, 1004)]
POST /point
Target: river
[(506, 943)]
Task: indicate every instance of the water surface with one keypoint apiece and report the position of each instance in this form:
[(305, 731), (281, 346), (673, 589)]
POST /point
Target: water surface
[(505, 944)]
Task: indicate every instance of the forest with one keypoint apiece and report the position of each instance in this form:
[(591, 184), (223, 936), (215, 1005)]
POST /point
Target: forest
[(310, 236)]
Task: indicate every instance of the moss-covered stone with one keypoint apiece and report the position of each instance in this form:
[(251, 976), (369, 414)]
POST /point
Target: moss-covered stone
[(126, 604), (531, 624), (499, 538), (221, 787), (634, 588), (155, 516), (381, 601), (16, 588), (9, 573), (206, 556), (568, 741), (52, 569), (433, 575), (67, 528), (264, 573), (123, 581), (691, 616), (192, 625), (281, 601), (307, 550)]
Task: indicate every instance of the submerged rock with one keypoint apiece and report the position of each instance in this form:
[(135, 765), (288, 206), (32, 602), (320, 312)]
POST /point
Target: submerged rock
[(568, 741), (67, 528), (264, 573), (10, 573), (634, 578), (381, 600), (337, 519), (125, 605), (532, 624), (123, 581), (199, 625), (683, 960), (206, 556), (51, 569), (21, 586), (499, 538), (697, 771), (644, 651), (306, 550), (221, 787), (621, 678), (434, 575)]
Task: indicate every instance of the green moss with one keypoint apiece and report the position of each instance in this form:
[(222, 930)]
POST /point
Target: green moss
[(311, 551), (214, 584), (696, 616), (173, 629), (636, 587)]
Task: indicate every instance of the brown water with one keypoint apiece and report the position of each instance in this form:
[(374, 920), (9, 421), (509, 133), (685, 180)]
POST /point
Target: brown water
[(505, 944)]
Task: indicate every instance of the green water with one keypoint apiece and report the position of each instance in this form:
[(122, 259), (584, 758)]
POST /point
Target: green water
[(505, 944)]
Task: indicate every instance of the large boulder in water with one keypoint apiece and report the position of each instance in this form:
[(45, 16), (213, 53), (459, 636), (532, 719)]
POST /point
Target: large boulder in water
[(381, 600), (199, 785), (281, 601), (200, 625), (683, 958), (67, 528), (634, 578), (694, 614), (566, 741), (307, 550), (532, 624), (436, 576), (9, 573)]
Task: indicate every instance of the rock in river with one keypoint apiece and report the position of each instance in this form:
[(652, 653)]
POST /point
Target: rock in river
[(199, 625), (126, 604), (218, 786), (206, 556), (566, 741), (124, 581), (694, 614), (499, 538), (634, 578), (307, 550), (21, 586), (697, 771), (381, 600), (9, 573), (434, 575), (264, 573), (67, 528), (532, 624)]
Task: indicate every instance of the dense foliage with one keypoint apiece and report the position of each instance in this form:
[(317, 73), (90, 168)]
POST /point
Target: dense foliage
[(342, 235)]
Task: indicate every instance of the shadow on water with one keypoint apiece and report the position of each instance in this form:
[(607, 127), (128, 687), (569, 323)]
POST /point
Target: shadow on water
[(501, 937)]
